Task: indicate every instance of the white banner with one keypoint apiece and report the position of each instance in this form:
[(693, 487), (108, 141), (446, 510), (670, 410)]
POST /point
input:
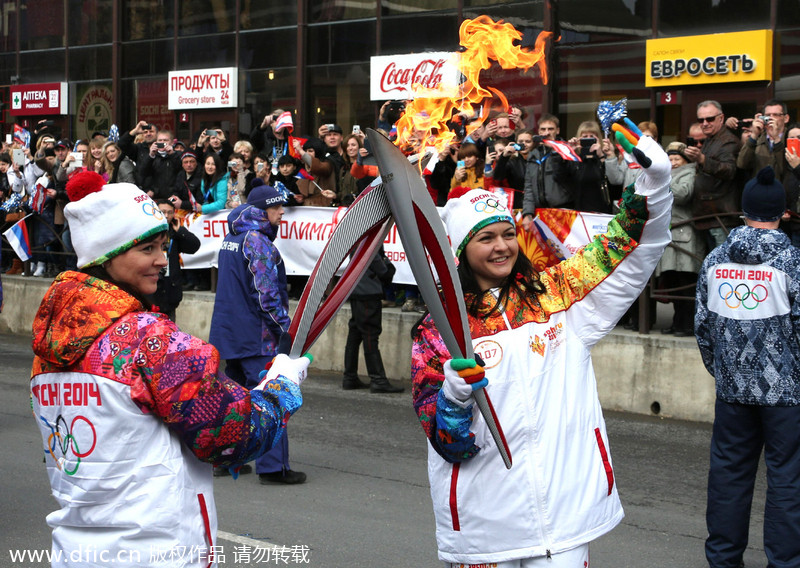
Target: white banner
[(392, 76), (203, 88), (302, 236)]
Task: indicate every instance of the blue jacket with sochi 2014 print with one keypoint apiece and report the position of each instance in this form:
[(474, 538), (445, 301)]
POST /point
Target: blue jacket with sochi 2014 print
[(251, 308), (748, 318)]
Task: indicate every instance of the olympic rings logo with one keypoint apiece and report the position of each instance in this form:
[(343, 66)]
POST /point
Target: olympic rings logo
[(489, 206), (742, 295), (62, 440), (150, 208)]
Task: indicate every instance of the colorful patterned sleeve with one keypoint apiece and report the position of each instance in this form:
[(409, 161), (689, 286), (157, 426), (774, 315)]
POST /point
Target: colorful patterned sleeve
[(263, 258), (176, 376), (446, 425)]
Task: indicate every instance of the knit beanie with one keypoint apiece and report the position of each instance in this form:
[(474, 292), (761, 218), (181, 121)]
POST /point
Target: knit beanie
[(678, 148), (106, 220), (467, 214), (764, 198), (265, 196)]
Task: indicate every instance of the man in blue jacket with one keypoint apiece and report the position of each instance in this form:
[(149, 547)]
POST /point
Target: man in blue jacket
[(747, 326), (251, 308)]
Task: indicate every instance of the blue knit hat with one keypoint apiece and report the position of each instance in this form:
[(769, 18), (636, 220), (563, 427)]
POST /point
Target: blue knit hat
[(764, 198), (265, 196)]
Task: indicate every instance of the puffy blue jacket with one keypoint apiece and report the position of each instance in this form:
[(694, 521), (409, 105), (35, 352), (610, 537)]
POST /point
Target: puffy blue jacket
[(251, 309)]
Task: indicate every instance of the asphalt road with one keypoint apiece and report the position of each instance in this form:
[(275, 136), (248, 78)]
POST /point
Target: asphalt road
[(366, 502)]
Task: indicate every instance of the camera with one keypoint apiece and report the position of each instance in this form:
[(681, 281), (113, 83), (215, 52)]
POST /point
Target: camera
[(47, 123), (147, 127), (538, 139), (356, 129), (516, 146), (691, 141), (233, 164), (211, 132), (160, 144), (329, 126)]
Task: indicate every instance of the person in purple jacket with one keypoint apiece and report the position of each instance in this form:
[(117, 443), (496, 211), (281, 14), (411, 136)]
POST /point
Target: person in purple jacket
[(251, 308)]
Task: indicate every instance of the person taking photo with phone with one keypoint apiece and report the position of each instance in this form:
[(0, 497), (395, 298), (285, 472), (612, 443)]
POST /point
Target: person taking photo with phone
[(766, 145)]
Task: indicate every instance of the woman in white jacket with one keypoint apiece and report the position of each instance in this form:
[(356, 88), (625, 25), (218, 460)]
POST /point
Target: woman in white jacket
[(532, 335)]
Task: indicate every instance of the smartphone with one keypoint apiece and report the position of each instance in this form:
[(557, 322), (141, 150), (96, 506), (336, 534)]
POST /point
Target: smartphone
[(18, 155), (210, 132), (794, 145), (259, 166), (78, 163), (356, 129), (516, 146), (9, 139), (460, 164), (691, 141), (147, 127)]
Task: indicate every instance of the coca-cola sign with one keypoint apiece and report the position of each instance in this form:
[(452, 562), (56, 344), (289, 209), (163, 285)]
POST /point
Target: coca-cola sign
[(393, 76)]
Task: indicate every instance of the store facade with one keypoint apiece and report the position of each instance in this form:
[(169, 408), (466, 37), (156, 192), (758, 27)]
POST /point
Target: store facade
[(315, 58)]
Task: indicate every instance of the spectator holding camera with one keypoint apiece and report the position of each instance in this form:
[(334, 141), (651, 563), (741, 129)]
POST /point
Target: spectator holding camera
[(510, 164), (239, 178), (159, 168), (137, 151), (586, 180), (213, 141), (469, 168), (541, 187), (269, 140), (766, 144), (716, 194)]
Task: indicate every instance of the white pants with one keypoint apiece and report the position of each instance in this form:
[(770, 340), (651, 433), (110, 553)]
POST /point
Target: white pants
[(573, 558)]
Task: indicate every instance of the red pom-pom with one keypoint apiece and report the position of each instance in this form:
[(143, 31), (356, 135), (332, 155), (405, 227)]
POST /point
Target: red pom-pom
[(82, 184), (458, 191)]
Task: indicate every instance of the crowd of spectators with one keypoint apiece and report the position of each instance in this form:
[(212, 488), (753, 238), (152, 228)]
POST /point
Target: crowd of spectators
[(504, 151)]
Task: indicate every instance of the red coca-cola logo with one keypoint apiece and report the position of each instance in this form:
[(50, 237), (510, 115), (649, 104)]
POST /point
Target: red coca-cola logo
[(427, 73)]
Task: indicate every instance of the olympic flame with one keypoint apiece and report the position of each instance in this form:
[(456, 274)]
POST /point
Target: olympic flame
[(424, 122)]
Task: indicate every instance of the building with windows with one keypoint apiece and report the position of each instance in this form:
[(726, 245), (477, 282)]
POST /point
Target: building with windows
[(112, 57)]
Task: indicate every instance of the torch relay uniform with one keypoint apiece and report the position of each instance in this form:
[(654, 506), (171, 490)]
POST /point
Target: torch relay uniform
[(132, 411), (560, 492)]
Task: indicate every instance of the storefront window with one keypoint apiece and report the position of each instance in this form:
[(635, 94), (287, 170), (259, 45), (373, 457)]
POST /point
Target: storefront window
[(207, 51), (199, 17), (257, 15), (89, 63), (338, 10), (339, 94), (440, 33), (518, 14), (264, 95), (89, 21), (393, 7), (268, 49), (8, 63), (695, 17), (147, 58), (788, 14), (584, 21), (589, 74), (147, 19), (42, 24), (8, 27), (93, 109), (341, 43), (787, 88), (41, 66)]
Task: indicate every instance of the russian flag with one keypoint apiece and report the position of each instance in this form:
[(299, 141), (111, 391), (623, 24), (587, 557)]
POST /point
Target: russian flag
[(19, 240), (303, 174), (564, 150), (284, 121), (22, 136)]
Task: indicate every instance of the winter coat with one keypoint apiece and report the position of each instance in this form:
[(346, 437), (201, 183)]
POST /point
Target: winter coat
[(158, 173), (541, 187), (757, 154), (715, 187), (251, 309), (215, 197), (748, 318), (132, 413), (684, 235), (560, 492), (170, 293)]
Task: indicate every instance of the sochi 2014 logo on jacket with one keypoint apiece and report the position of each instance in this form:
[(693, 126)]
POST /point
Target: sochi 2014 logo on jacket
[(747, 292)]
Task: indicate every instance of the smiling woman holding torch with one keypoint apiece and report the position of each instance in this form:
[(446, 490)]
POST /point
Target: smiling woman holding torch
[(532, 334)]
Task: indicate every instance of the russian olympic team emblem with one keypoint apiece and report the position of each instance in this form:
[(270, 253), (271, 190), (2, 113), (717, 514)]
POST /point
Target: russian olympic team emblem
[(149, 207), (742, 295), (490, 205)]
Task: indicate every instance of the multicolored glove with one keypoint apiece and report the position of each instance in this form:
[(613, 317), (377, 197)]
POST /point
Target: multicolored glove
[(461, 378), (647, 152), (284, 366)]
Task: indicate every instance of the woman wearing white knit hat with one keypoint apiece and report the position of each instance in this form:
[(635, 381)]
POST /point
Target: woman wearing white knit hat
[(133, 412), (532, 334)]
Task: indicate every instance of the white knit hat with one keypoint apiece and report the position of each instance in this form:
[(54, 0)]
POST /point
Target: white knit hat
[(106, 220), (466, 215)]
